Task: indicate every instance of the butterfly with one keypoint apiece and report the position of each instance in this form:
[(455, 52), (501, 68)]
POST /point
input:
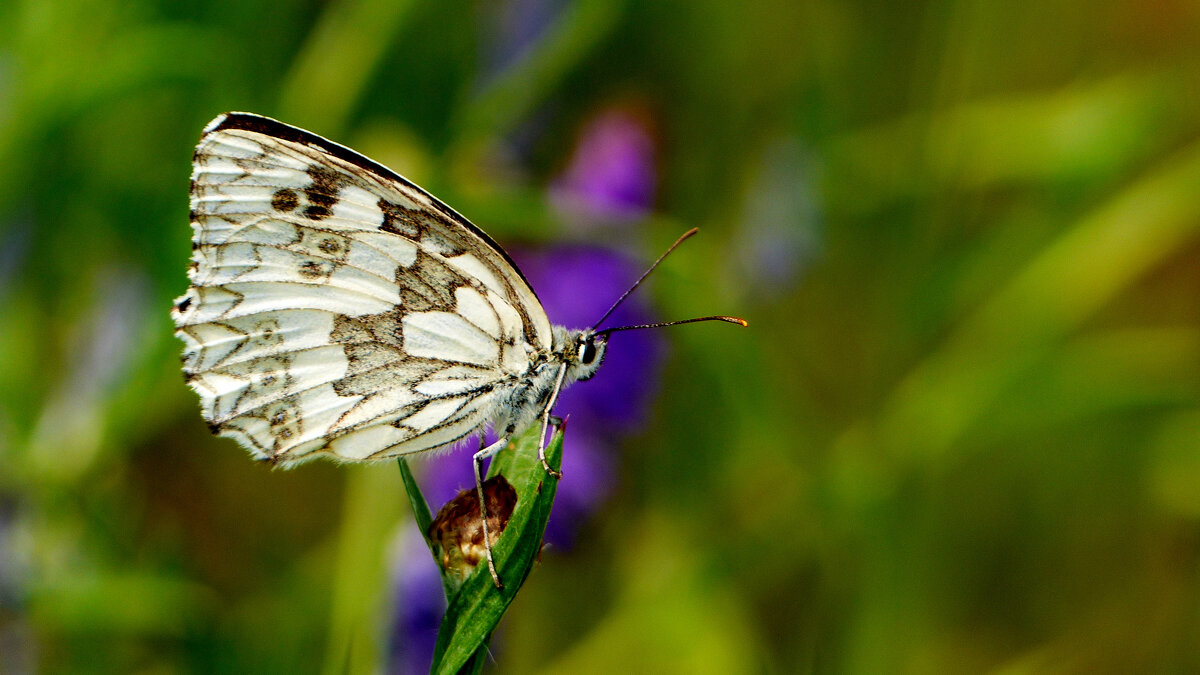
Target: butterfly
[(338, 310)]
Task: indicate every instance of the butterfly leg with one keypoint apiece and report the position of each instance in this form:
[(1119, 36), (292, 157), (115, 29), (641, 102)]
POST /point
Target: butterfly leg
[(479, 457), (562, 374)]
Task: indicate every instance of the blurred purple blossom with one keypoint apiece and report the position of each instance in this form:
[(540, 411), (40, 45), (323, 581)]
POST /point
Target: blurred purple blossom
[(576, 285), (781, 224), (419, 601), (513, 27), (611, 177), (15, 238)]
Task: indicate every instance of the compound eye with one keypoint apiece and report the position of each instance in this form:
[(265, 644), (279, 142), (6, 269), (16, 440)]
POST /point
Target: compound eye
[(588, 353)]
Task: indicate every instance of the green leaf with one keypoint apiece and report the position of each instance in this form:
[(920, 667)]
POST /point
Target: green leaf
[(476, 609), (420, 508)]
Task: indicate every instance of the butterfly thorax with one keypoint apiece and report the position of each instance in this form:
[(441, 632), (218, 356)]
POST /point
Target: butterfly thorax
[(581, 351)]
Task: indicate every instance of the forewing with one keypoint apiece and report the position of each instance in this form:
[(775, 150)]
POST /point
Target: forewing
[(336, 308)]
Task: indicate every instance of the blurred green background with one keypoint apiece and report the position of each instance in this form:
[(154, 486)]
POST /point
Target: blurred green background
[(960, 435)]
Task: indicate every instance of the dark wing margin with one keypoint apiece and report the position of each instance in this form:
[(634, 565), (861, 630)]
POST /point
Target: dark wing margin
[(275, 128)]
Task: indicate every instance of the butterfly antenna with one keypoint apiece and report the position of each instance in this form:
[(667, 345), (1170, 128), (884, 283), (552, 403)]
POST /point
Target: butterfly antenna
[(637, 283), (729, 319)]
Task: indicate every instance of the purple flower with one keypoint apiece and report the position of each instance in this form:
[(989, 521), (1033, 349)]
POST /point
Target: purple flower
[(420, 604), (15, 242), (781, 225), (611, 177), (576, 285), (513, 27)]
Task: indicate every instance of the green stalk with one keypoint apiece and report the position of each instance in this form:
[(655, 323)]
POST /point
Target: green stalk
[(474, 610)]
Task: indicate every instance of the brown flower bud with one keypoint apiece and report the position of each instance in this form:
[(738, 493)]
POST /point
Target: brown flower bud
[(457, 531)]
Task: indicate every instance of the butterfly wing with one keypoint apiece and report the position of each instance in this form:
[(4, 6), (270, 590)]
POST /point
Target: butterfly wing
[(336, 308)]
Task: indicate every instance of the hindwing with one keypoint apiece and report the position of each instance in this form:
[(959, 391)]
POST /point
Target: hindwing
[(335, 308)]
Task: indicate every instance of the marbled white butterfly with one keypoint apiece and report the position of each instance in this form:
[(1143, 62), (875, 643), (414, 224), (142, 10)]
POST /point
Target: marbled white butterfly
[(338, 310)]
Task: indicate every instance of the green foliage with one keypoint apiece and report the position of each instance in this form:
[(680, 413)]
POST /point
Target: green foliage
[(476, 607), (475, 610)]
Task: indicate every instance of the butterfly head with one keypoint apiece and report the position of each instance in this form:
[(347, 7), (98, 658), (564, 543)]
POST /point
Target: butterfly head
[(583, 351)]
